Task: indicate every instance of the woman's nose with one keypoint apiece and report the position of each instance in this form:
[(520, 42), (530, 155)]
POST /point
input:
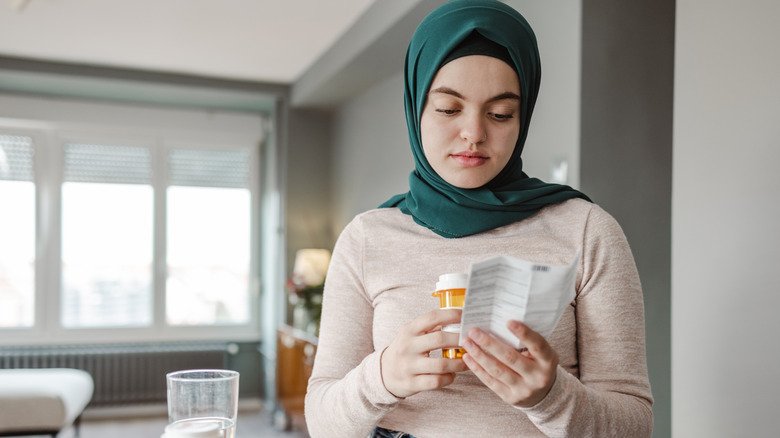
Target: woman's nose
[(473, 129)]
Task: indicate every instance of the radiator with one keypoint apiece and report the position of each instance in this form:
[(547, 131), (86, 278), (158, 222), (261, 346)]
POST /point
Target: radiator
[(123, 373)]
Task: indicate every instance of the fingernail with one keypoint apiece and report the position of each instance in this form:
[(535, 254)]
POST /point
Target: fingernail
[(476, 334)]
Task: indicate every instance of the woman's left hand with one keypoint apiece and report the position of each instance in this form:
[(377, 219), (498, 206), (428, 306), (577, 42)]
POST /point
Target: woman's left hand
[(520, 378)]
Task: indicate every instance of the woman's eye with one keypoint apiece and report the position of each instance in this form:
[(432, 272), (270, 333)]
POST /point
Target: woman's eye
[(502, 117), (448, 112)]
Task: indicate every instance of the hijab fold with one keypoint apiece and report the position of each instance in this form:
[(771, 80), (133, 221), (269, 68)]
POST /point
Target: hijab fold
[(511, 196)]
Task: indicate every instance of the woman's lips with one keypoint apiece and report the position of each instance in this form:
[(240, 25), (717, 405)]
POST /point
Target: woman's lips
[(467, 160)]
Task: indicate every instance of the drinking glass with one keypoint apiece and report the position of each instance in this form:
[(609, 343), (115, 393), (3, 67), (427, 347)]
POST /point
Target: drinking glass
[(199, 400)]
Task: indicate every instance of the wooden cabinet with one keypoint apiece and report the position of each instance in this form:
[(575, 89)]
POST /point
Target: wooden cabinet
[(294, 362)]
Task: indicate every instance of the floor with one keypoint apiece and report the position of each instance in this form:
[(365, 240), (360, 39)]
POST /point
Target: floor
[(250, 425)]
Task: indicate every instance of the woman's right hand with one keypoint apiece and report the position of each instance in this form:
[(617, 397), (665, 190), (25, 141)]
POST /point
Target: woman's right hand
[(406, 367)]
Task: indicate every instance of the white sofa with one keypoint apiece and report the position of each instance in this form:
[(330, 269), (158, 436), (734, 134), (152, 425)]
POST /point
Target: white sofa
[(42, 401)]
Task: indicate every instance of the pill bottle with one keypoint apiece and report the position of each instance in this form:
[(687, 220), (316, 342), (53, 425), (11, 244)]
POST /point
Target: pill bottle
[(451, 291)]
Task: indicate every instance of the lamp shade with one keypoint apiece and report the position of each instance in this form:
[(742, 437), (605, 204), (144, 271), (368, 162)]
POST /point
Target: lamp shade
[(311, 265)]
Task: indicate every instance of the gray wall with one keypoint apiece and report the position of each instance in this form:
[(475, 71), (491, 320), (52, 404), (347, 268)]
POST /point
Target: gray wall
[(726, 247), (371, 155), (626, 167), (308, 182), (554, 135)]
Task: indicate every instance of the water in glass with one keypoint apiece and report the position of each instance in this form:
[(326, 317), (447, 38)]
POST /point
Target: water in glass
[(226, 426)]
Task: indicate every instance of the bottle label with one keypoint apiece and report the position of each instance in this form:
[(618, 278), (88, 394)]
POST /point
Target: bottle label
[(451, 328)]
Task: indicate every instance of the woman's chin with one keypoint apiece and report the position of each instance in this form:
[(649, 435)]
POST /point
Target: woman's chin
[(467, 183)]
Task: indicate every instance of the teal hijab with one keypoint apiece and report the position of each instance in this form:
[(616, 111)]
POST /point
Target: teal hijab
[(511, 196)]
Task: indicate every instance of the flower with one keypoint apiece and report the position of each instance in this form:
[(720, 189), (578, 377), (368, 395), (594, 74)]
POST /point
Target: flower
[(306, 285)]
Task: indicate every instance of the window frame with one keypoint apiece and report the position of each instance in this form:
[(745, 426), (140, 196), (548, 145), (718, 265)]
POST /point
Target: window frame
[(49, 139)]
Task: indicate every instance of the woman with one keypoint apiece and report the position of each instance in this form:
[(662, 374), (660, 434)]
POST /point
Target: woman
[(472, 76)]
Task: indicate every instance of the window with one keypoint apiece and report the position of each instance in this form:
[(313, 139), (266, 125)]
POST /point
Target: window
[(129, 224), (17, 232), (208, 229), (107, 231)]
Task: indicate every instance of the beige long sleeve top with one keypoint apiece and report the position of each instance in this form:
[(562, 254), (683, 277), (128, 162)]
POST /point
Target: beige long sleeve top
[(382, 274)]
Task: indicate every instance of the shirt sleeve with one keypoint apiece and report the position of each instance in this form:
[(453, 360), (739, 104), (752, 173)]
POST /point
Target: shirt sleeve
[(346, 395), (612, 396)]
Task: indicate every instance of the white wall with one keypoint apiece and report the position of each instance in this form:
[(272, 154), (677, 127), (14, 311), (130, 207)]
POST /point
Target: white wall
[(726, 205), (371, 155)]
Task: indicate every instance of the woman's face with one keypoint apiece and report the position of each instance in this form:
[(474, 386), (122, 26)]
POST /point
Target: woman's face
[(471, 120)]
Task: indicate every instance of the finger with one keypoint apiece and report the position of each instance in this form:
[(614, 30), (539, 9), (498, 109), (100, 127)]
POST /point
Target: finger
[(538, 346), (434, 341), (427, 382), (492, 366), (436, 365), (492, 383), (429, 321), (501, 351)]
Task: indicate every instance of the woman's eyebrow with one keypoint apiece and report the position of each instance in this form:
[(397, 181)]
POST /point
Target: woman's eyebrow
[(448, 90), (502, 96)]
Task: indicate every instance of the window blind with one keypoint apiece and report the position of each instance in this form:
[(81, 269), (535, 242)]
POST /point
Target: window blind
[(209, 168), (16, 158), (96, 163)]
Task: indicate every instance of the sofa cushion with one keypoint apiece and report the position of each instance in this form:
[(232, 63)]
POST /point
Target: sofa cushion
[(42, 399)]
